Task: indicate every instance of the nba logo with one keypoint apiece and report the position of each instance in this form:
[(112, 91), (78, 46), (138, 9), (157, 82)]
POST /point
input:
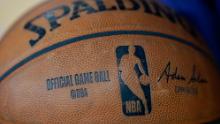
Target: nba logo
[(134, 80)]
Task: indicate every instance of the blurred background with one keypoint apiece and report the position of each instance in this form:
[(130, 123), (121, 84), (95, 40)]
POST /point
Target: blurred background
[(11, 10), (203, 14)]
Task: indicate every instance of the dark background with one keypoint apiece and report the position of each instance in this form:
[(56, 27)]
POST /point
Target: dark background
[(205, 17)]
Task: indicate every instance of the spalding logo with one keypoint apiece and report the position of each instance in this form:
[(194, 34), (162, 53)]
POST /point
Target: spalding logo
[(134, 80), (84, 6)]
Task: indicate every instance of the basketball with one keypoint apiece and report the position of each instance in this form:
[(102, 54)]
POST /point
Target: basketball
[(106, 62)]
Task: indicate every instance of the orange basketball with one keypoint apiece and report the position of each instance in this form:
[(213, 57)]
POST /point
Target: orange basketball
[(106, 61)]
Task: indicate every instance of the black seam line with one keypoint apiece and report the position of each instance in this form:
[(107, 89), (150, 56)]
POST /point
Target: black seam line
[(97, 35)]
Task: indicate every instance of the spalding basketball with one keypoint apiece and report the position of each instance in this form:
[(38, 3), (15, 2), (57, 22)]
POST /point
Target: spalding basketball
[(106, 62)]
